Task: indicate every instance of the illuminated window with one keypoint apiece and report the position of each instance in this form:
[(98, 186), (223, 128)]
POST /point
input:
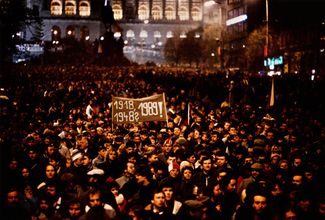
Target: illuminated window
[(156, 13), (130, 34), (169, 34), (56, 7), (196, 14), (156, 34), (183, 14), (84, 8), (56, 33), (70, 32), (143, 12), (143, 34), (70, 7), (118, 12), (84, 33), (170, 13)]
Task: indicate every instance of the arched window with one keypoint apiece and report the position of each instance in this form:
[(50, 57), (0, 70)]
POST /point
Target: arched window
[(143, 34), (70, 7), (118, 12), (84, 8), (130, 34), (169, 34), (183, 13), (56, 33), (84, 33), (70, 32), (143, 12), (196, 14), (156, 34), (56, 7), (170, 13), (156, 12)]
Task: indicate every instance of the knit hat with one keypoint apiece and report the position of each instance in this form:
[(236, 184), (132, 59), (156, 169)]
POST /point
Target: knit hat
[(173, 166)]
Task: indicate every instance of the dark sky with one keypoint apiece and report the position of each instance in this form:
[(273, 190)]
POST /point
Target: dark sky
[(297, 12)]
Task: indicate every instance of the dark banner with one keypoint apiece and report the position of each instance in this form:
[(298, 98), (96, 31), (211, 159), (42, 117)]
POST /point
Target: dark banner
[(152, 108)]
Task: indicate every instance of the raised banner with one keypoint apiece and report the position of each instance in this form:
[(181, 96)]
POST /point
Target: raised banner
[(126, 110)]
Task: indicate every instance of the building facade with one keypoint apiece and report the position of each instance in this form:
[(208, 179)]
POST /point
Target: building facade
[(141, 22)]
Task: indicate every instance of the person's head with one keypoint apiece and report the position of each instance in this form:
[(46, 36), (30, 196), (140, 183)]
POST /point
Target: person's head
[(290, 215), (50, 171), (51, 189), (94, 197), (277, 189), (12, 197), (32, 154), (217, 190), (130, 168), (158, 199), (112, 154), (86, 160), (259, 202), (221, 159), (168, 189), (75, 209), (196, 209), (115, 187), (297, 161), (256, 170), (152, 156), (77, 158), (283, 165), (187, 173), (143, 175), (82, 142), (173, 169), (222, 173), (297, 180), (206, 163), (230, 183)]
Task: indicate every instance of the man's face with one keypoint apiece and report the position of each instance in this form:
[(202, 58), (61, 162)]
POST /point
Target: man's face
[(74, 210), (50, 172), (259, 203), (140, 179), (221, 160), (86, 160), (82, 143), (170, 159), (130, 168), (94, 200), (12, 198), (191, 159), (168, 191), (158, 200), (207, 165), (297, 180)]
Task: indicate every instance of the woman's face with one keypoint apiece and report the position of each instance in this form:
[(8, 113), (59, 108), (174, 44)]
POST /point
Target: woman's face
[(187, 174)]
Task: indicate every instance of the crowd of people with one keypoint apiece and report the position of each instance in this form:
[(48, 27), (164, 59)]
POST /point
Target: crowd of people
[(223, 153)]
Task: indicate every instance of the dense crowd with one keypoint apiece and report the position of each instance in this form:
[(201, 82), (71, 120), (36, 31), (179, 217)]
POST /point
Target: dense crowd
[(223, 153)]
